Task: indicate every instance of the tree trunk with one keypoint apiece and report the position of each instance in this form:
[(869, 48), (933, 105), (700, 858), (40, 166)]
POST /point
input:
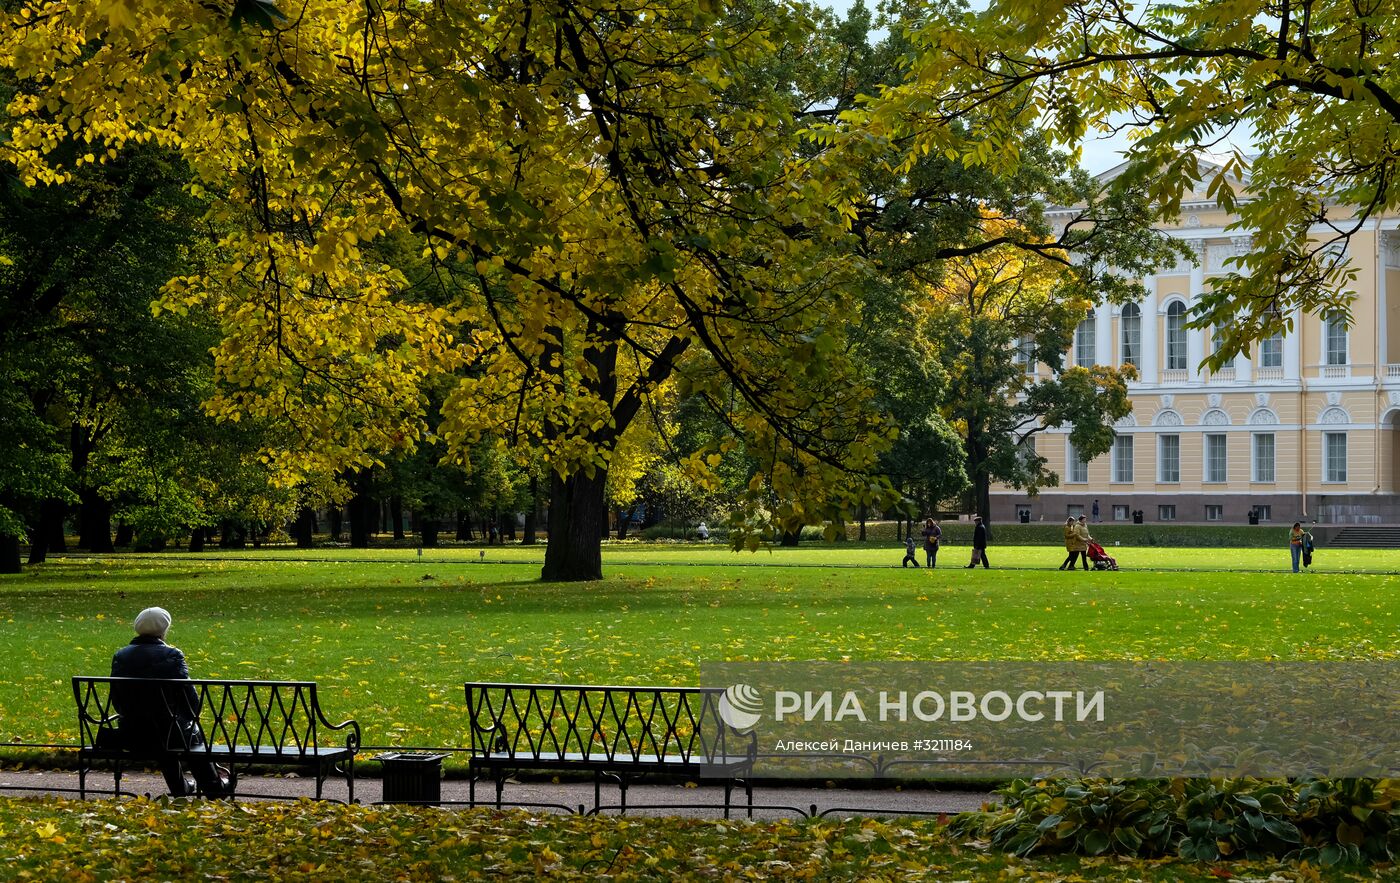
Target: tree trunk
[(337, 519), (396, 515), (305, 527), (359, 511), (94, 522), (578, 515), (862, 522), (791, 537), (232, 535), (464, 526), (52, 514), (9, 553), (532, 515), (197, 539), (125, 534), (427, 529)]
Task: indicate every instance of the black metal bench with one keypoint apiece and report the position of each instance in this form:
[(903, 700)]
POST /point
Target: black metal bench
[(243, 723), (609, 731)]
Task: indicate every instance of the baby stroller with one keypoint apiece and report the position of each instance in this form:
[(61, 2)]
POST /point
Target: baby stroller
[(1102, 560)]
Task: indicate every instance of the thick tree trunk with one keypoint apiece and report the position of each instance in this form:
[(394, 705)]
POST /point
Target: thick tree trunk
[(532, 515), (197, 539), (396, 515), (337, 519), (464, 526), (125, 534), (305, 527), (9, 553), (578, 516), (360, 510), (862, 522), (232, 535), (427, 529), (52, 514), (94, 522), (791, 537)]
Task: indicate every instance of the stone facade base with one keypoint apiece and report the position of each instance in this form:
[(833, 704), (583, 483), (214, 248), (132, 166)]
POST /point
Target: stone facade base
[(1196, 508)]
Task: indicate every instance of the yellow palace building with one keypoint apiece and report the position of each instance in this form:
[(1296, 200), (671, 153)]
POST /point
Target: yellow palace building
[(1302, 428)]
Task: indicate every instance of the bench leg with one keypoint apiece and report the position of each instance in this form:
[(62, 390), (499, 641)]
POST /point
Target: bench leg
[(320, 779), (597, 791), (500, 785), (350, 778), (728, 790), (471, 789), (748, 792), (622, 790), (117, 779)]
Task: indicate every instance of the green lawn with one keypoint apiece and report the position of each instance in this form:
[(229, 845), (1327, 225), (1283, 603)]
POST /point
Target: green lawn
[(391, 637)]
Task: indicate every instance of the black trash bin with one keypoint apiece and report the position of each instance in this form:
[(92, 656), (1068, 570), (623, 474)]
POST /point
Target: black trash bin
[(412, 778), (1137, 516), (1253, 516)]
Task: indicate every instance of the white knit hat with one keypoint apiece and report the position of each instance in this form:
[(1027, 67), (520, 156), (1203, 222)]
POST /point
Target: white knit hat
[(153, 621)]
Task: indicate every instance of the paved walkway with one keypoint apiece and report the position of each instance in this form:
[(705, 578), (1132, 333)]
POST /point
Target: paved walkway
[(642, 799)]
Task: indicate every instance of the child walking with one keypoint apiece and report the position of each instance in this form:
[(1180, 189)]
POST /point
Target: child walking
[(909, 557)]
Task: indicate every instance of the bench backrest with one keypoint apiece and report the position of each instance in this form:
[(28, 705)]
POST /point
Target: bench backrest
[(267, 717), (545, 721)]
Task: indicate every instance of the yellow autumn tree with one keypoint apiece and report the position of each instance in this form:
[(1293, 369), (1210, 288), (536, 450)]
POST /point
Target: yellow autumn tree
[(600, 189)]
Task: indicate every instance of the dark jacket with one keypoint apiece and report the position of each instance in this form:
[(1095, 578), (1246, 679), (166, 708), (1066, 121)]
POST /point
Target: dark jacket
[(979, 535), (146, 714)]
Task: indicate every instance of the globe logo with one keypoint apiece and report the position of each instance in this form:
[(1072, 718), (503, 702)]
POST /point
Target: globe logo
[(741, 707)]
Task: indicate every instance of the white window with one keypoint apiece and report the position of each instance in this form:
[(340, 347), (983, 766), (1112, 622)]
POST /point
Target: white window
[(1265, 513), (1025, 353), (1264, 457), (1176, 336), (1217, 338), (1084, 341), (1074, 511), (1120, 513), (1169, 458), (1271, 352), (1078, 470), (1215, 457), (1166, 513), (1215, 512), (1334, 335), (1123, 458), (1334, 448), (1131, 322)]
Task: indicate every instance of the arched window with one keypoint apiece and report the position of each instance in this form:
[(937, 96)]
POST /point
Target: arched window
[(1131, 322), (1176, 336), (1084, 341)]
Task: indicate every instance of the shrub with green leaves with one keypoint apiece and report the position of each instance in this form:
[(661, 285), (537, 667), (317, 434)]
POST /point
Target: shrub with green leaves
[(1324, 821)]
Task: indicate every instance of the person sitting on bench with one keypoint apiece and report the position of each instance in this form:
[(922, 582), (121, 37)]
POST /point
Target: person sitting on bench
[(146, 715)]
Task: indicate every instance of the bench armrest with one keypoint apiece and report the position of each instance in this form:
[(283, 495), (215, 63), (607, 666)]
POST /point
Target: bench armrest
[(352, 738)]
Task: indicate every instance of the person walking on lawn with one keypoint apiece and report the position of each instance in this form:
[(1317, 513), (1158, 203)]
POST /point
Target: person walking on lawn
[(979, 543), (1074, 546), (932, 534), (909, 556), (1081, 542)]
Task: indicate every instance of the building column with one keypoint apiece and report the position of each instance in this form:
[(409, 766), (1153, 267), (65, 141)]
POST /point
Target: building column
[(1244, 365), (1292, 356), (1195, 337), (1103, 334), (1150, 360), (1382, 305)]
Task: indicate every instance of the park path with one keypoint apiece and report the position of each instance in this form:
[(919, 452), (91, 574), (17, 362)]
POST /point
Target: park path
[(700, 802)]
